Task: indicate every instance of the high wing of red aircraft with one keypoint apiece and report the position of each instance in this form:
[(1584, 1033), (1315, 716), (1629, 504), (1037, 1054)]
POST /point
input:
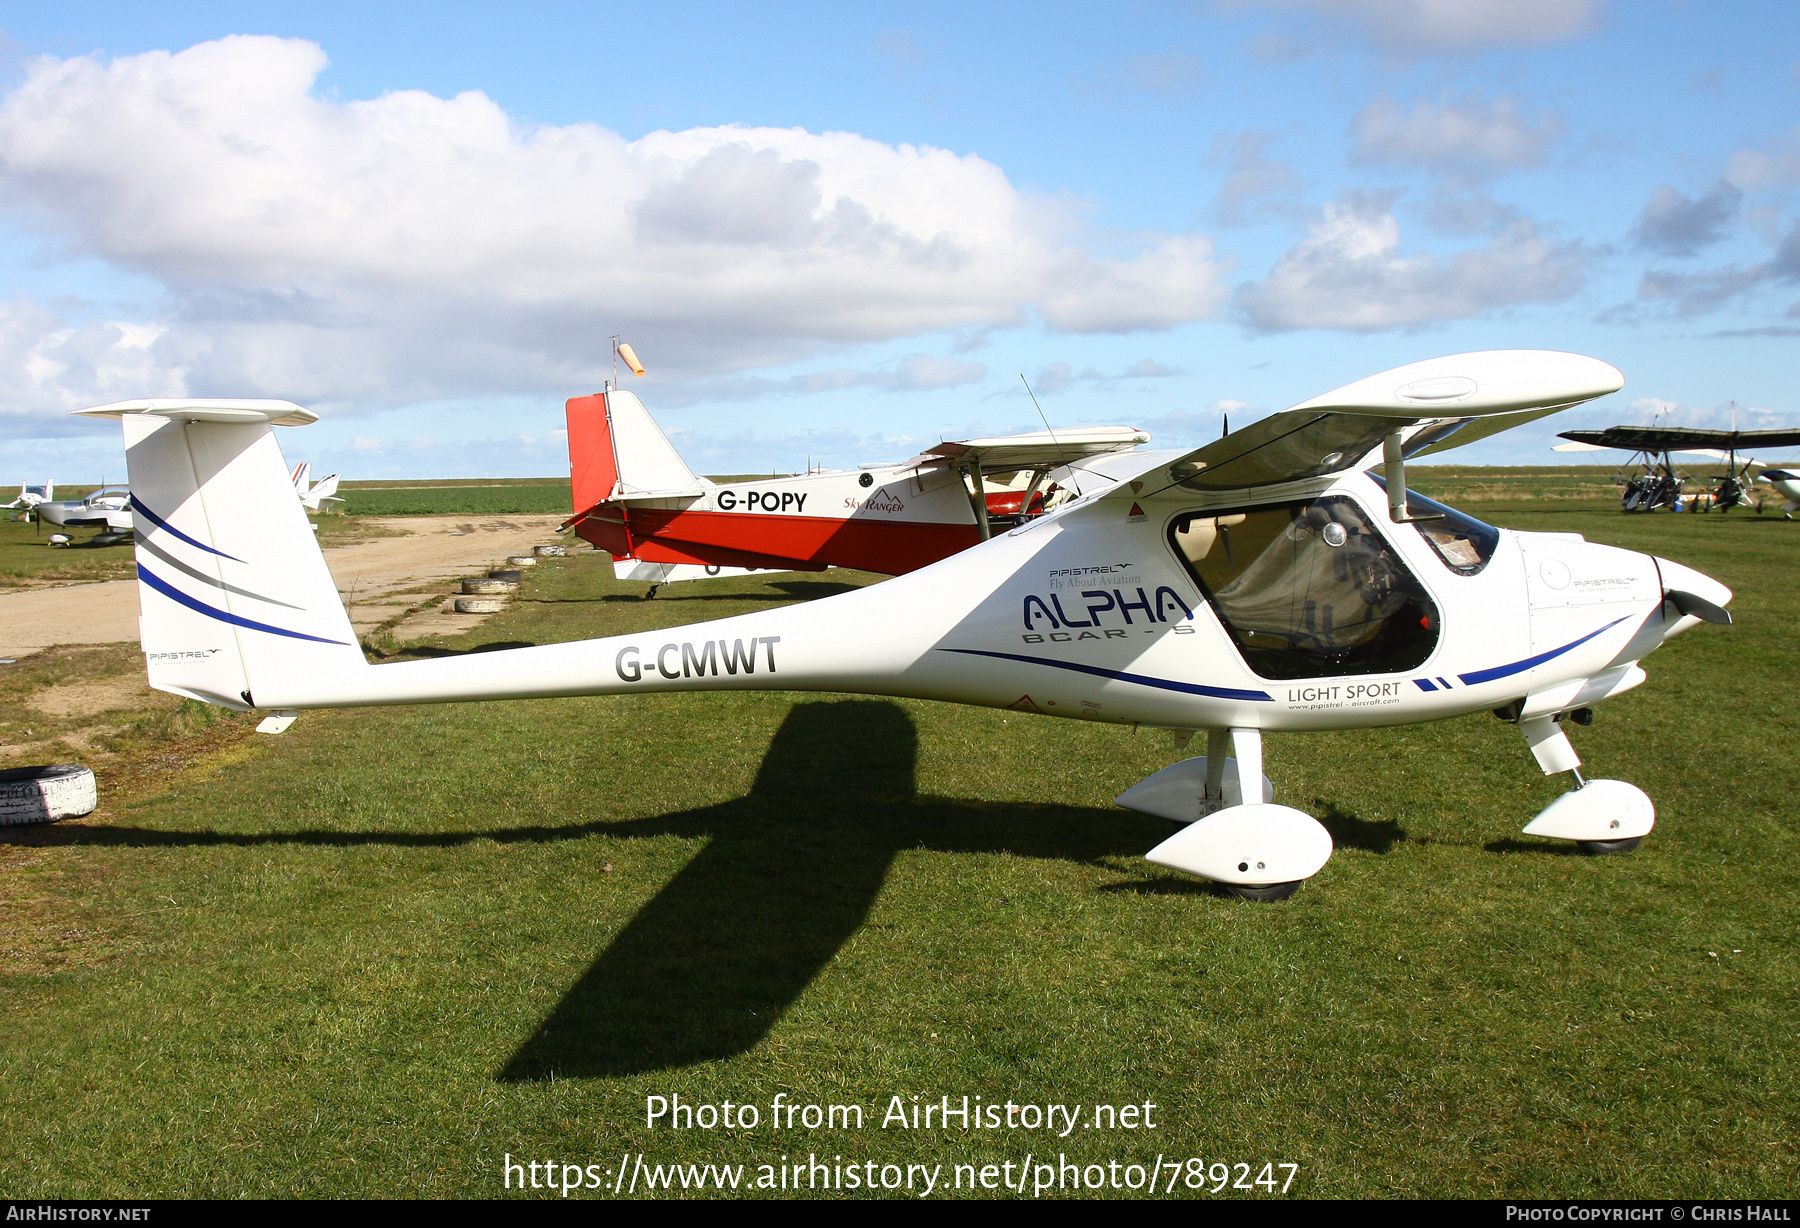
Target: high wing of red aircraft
[(635, 497)]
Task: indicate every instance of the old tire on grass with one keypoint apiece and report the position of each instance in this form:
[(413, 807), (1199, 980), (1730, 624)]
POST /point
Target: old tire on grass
[(1600, 848), (488, 588), (511, 577), (46, 794), (480, 605), (522, 560), (1266, 894), (548, 552)]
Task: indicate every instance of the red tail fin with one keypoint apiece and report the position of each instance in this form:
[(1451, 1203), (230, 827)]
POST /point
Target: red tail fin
[(593, 467)]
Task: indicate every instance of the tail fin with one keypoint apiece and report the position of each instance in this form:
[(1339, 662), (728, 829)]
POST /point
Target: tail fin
[(234, 594), (313, 497), (616, 449)]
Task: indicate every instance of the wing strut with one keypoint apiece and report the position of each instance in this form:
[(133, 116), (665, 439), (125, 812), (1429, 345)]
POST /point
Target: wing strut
[(981, 517), (1395, 460)]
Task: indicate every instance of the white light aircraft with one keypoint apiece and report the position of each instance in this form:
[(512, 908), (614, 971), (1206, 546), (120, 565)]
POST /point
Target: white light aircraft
[(30, 496), (107, 509), (314, 495), (1786, 481), (1263, 584)]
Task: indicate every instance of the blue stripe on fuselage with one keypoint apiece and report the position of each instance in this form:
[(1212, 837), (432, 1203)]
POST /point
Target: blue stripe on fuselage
[(1190, 688), (1519, 667)]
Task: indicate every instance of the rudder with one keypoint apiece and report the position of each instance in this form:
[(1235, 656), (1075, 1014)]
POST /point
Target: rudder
[(616, 449), (234, 595)]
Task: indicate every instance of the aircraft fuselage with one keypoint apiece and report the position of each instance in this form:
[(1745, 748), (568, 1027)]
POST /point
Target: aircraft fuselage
[(1094, 614)]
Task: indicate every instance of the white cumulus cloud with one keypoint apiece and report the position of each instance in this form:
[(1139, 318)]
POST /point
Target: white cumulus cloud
[(48, 363), (408, 246), (1350, 273), (1056, 377), (1468, 132), (1257, 184), (1763, 169)]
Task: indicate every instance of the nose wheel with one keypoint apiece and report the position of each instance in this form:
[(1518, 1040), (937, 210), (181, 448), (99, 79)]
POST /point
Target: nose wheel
[(1267, 894), (1256, 850), (1601, 848), (1599, 817)]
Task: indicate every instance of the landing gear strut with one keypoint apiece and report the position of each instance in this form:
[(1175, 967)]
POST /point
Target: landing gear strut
[(1600, 816), (1256, 851)]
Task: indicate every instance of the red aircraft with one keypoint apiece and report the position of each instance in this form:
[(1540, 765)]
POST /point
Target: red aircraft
[(637, 499)]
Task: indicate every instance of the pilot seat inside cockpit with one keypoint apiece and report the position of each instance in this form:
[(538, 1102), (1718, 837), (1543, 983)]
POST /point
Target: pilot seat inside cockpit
[(1309, 589)]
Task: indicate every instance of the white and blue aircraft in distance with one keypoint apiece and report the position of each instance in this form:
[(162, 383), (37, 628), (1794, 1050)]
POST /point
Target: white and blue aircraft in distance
[(1264, 584), (30, 496), (1786, 481), (107, 509)]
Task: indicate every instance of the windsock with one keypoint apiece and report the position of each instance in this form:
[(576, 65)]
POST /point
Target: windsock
[(631, 359)]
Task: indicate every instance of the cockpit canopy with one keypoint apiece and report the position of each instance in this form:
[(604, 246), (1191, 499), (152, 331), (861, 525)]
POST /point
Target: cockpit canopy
[(1309, 589)]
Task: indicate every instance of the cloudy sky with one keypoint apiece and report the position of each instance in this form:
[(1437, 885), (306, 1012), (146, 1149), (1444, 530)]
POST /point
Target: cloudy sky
[(838, 232)]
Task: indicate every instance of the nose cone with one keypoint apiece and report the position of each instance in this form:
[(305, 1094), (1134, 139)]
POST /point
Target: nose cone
[(1679, 579), (1706, 597)]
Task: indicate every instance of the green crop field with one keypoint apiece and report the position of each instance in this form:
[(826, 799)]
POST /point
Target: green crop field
[(383, 952), (475, 497)]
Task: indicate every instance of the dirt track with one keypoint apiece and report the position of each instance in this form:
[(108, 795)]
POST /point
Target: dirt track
[(371, 574)]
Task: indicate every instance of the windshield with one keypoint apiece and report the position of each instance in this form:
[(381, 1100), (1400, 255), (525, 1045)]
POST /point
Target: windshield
[(1309, 589), (1464, 543)]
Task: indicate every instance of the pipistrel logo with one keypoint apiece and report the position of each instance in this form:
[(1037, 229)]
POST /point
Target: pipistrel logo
[(1135, 515)]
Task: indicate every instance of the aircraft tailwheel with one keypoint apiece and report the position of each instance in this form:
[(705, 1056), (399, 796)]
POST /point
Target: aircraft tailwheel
[(651, 595), (1266, 894), (1600, 848)]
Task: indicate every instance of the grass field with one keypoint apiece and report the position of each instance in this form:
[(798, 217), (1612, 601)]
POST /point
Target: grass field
[(378, 954)]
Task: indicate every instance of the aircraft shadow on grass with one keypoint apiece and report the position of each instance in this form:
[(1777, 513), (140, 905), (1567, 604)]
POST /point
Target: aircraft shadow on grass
[(788, 874)]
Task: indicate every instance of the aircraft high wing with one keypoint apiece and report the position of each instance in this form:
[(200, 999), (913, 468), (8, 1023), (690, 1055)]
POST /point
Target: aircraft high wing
[(1415, 410), (644, 504), (1659, 439), (1786, 481)]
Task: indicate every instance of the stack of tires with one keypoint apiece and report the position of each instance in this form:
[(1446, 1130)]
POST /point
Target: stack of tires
[(487, 596)]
